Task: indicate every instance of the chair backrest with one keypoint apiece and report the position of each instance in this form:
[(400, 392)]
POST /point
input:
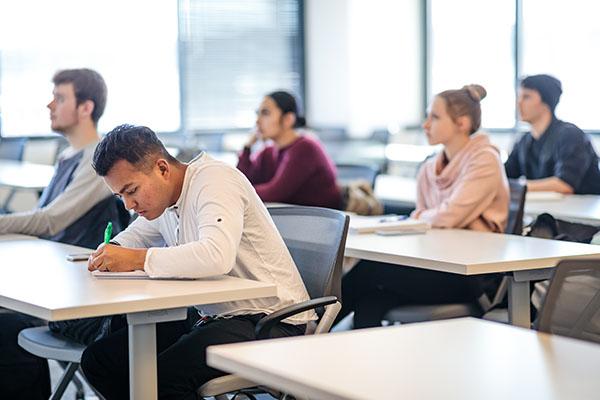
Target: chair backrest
[(88, 230), (316, 239), (516, 207), (381, 135), (12, 148), (347, 173), (331, 133), (572, 305), (210, 141)]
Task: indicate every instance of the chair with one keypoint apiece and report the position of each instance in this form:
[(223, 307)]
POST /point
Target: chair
[(347, 173), (572, 306), (381, 135), (316, 239), (43, 343), (12, 148), (419, 313), (331, 133)]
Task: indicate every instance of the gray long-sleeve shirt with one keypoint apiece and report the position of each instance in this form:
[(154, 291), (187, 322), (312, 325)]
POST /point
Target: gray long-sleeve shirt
[(84, 191)]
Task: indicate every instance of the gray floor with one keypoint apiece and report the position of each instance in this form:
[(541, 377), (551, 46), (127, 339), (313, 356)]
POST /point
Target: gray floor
[(56, 372)]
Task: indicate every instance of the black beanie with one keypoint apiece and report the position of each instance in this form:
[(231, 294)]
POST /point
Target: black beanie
[(547, 86)]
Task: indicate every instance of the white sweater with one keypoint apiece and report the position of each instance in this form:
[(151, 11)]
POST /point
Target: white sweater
[(219, 226)]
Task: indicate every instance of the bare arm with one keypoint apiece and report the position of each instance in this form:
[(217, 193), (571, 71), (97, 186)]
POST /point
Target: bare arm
[(552, 184)]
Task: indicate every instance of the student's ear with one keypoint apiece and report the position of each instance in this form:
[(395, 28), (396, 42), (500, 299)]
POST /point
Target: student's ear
[(464, 124), (289, 120), (86, 108), (163, 167)]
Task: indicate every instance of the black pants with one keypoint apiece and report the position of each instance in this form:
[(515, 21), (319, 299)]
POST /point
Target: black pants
[(181, 348), (22, 375), (372, 288)]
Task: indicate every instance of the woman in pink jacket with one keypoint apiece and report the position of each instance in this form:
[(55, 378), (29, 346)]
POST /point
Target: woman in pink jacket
[(464, 186)]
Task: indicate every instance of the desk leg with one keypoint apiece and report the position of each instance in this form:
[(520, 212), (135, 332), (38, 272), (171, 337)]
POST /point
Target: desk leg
[(142, 350), (518, 303)]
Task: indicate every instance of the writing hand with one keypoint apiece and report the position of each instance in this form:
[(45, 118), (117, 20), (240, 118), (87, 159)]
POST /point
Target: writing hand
[(108, 257)]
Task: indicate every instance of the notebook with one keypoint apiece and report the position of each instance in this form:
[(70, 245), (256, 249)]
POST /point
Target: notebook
[(138, 274), (381, 223)]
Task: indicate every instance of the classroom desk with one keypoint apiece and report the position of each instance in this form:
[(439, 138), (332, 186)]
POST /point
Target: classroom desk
[(24, 175), (37, 280), (453, 359), (465, 252), (577, 208)]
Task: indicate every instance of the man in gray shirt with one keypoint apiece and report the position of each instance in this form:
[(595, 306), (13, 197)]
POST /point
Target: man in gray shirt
[(74, 209), (67, 210)]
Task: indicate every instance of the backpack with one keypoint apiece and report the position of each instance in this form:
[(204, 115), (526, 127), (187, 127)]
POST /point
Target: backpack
[(545, 226), (359, 198)]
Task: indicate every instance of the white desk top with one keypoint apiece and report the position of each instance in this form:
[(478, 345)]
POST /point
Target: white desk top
[(465, 252), (453, 359), (577, 208), (37, 280), (23, 175)]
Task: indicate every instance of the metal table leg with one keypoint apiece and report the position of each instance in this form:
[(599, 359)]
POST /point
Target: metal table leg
[(142, 350)]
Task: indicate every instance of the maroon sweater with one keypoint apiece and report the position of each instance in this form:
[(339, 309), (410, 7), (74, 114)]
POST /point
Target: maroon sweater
[(300, 173)]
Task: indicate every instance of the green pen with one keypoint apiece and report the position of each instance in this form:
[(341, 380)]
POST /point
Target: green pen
[(108, 232)]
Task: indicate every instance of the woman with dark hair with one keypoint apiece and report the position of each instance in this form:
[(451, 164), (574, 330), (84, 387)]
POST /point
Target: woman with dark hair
[(294, 169), (463, 187)]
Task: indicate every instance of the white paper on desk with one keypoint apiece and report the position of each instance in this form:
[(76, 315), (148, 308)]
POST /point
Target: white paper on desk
[(360, 224), (138, 274), (544, 196)]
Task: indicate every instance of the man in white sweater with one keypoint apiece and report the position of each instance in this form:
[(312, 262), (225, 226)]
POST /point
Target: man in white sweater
[(197, 220)]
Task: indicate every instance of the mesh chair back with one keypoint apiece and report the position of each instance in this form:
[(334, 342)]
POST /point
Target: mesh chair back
[(316, 238), (572, 306), (516, 207), (347, 173), (12, 148)]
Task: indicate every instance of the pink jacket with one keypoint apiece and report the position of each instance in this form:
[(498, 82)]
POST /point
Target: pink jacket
[(470, 192)]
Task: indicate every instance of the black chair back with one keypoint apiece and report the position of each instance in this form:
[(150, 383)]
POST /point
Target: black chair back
[(316, 239), (572, 305), (516, 208)]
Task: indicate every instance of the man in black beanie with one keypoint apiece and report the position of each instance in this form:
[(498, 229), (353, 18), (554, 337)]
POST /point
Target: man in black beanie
[(555, 155)]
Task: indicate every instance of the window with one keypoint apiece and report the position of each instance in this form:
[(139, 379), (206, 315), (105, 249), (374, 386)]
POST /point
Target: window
[(133, 44), (235, 52), (561, 39), (471, 41)]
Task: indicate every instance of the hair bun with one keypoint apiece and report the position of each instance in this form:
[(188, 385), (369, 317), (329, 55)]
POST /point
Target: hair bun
[(476, 92)]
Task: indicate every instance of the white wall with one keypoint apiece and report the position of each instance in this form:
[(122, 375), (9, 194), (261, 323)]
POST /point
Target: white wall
[(363, 63)]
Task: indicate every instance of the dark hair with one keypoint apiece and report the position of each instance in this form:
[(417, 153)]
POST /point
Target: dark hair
[(547, 86), (87, 85), (137, 145), (286, 102), (465, 101)]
